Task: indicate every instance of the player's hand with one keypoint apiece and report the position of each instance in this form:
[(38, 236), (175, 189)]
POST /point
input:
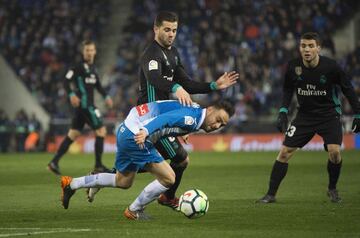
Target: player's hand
[(75, 101), (109, 102), (282, 122), (356, 125), (185, 138), (140, 138), (227, 79), (183, 96)]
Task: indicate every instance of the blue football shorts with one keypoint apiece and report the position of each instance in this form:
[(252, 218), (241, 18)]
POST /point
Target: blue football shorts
[(129, 156)]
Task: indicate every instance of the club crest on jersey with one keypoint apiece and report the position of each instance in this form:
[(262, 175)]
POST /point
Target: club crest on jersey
[(189, 120), (86, 66), (323, 79), (298, 70), (142, 109), (153, 65)]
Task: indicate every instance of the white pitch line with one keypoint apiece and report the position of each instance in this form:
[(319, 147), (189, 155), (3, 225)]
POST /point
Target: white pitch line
[(44, 232), (22, 228)]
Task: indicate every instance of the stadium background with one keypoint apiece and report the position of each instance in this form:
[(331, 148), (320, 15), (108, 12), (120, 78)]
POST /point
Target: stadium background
[(40, 39)]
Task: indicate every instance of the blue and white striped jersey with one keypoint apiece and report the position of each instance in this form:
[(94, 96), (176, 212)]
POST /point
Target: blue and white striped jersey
[(165, 118)]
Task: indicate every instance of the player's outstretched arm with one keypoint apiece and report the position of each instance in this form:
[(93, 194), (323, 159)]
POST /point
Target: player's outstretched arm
[(226, 80)]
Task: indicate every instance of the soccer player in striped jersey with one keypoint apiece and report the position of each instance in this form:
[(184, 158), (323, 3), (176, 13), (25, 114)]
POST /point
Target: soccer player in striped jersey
[(162, 73), (80, 83), (136, 138)]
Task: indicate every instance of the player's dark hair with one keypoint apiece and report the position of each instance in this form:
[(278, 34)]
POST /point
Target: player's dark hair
[(311, 36), (226, 105), (87, 42), (165, 16)]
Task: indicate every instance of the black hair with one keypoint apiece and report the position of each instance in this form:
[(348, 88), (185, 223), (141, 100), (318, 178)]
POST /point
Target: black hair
[(226, 105), (87, 42), (311, 36), (165, 16)]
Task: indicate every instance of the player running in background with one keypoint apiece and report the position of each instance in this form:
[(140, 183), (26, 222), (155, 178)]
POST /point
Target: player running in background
[(136, 136), (315, 80), (80, 83), (162, 73)]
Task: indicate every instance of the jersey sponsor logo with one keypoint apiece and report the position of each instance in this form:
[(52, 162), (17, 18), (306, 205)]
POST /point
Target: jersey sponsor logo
[(90, 80), (298, 70), (69, 74), (189, 120), (311, 91), (142, 109), (153, 65)]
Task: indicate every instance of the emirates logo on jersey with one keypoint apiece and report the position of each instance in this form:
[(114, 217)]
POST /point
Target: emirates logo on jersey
[(142, 109)]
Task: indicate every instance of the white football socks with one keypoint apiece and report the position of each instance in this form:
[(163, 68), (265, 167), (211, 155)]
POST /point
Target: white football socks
[(149, 194), (97, 180)]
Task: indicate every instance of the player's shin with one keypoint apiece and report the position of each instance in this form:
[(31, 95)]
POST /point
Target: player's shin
[(99, 148), (334, 173), (96, 180), (62, 149), (149, 194), (278, 172), (178, 170)]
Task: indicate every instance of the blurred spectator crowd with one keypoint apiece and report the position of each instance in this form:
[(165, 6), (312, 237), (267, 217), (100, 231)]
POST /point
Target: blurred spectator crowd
[(254, 37), (23, 133), (40, 40)]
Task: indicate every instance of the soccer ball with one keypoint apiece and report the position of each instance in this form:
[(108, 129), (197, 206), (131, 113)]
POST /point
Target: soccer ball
[(194, 203)]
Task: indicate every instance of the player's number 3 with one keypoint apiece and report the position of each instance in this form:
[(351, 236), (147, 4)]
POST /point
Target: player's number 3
[(290, 132)]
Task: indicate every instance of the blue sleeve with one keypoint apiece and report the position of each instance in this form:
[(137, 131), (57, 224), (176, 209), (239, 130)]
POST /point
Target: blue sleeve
[(184, 118)]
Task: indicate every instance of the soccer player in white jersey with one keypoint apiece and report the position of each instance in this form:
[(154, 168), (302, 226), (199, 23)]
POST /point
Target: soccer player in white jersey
[(136, 136)]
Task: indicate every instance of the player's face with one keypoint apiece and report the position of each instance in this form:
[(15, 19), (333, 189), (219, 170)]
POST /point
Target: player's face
[(166, 33), (309, 50), (89, 52), (215, 118)]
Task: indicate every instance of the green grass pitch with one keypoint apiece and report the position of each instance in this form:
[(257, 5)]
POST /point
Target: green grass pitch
[(30, 205)]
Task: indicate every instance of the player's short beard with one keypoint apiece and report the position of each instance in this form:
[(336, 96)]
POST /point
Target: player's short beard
[(165, 42)]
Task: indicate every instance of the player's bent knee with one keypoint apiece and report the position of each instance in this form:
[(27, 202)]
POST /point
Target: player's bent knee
[(101, 132), (168, 181), (184, 163), (73, 134), (123, 185), (285, 154), (335, 157), (334, 153)]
